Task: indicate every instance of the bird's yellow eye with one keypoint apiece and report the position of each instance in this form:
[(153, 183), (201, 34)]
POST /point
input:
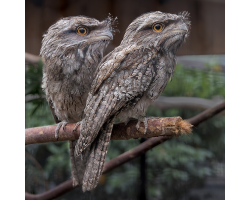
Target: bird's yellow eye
[(81, 30), (158, 27)]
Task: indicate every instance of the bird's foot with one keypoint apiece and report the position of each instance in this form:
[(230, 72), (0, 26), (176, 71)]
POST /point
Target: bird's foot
[(76, 126), (145, 121), (59, 125)]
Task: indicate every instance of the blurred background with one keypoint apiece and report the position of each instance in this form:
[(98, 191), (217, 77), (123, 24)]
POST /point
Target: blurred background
[(186, 168)]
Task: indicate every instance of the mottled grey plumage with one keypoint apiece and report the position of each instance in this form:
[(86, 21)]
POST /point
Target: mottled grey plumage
[(128, 79), (70, 62)]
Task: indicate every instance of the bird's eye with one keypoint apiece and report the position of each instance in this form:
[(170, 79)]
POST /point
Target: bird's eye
[(81, 30), (158, 27)]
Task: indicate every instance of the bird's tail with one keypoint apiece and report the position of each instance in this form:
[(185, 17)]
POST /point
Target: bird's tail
[(87, 169), (97, 157), (78, 164)]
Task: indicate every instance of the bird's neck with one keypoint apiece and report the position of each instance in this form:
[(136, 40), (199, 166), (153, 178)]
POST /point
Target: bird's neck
[(166, 61)]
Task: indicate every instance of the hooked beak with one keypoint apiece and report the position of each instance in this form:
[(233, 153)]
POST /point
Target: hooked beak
[(180, 32), (107, 35)]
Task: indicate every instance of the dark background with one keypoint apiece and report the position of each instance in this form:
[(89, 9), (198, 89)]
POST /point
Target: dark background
[(207, 17)]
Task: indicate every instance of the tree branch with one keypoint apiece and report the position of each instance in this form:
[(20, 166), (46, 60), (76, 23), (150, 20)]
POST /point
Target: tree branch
[(127, 156), (30, 58), (51, 194), (185, 102), (168, 126), (39, 167)]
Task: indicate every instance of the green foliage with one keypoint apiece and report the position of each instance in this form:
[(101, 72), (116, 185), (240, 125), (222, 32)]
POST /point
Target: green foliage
[(172, 167), (58, 157), (53, 157), (33, 79), (37, 112), (196, 83)]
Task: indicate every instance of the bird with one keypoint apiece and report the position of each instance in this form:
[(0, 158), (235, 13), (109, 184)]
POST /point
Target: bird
[(71, 49), (127, 80)]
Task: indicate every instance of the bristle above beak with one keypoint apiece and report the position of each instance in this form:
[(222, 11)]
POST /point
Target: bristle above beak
[(112, 23)]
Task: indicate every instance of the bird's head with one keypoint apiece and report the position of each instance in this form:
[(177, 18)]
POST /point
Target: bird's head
[(160, 30), (73, 34)]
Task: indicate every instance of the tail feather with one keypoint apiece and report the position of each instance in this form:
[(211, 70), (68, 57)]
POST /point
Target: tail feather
[(103, 148), (78, 164), (97, 157), (87, 168), (74, 173)]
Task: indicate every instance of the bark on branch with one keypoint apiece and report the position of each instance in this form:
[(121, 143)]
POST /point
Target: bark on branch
[(168, 126), (129, 155)]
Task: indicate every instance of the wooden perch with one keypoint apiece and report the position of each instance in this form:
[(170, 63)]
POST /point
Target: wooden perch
[(168, 126)]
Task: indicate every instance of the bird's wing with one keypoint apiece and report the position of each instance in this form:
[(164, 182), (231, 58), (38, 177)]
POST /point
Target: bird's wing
[(122, 88), (109, 64)]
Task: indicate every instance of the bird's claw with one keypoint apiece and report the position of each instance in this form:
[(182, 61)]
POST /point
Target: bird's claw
[(76, 126), (145, 121), (138, 125), (63, 124)]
